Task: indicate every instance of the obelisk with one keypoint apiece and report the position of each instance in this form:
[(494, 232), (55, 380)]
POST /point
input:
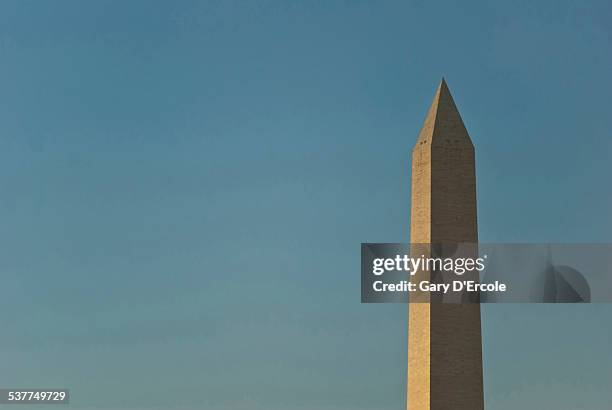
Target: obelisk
[(444, 340)]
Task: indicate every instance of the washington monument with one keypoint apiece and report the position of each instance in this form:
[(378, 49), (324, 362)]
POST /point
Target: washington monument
[(444, 340)]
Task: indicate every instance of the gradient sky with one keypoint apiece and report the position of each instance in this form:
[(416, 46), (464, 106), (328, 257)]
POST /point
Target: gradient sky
[(184, 187)]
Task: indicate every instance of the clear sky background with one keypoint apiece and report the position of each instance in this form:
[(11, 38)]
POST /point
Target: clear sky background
[(184, 187)]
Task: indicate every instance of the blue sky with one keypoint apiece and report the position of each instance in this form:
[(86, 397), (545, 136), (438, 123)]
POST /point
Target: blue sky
[(184, 187)]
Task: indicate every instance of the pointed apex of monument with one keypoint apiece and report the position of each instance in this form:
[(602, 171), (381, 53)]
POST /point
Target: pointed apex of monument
[(444, 85), (443, 118), (442, 93)]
